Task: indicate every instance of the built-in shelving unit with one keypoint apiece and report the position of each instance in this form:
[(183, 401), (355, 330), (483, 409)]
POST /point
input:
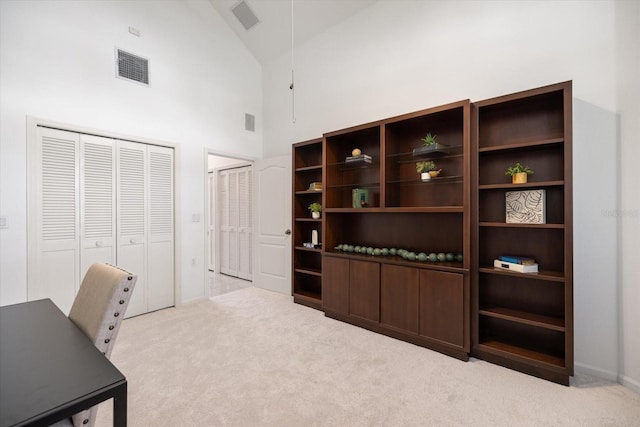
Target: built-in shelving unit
[(424, 302), (524, 320), (306, 280)]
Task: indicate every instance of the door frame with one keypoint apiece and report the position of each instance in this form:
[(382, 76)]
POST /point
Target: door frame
[(242, 161), (33, 123)]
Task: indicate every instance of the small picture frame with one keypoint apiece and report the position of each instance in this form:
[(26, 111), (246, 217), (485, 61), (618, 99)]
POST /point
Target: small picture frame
[(526, 207)]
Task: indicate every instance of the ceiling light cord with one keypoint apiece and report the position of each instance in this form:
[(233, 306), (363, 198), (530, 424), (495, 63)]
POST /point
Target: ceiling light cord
[(292, 86)]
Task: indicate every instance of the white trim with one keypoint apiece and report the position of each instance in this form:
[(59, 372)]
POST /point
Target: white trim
[(629, 383), (596, 372), (32, 133)]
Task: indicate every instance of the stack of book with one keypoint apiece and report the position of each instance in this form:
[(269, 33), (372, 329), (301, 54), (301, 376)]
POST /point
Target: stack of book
[(315, 186), (516, 263), (360, 158)]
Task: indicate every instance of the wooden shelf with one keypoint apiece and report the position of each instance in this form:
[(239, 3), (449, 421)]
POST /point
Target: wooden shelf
[(553, 323), (318, 220), (391, 210), (525, 355), (522, 144), (308, 192), (509, 186), (456, 179), (308, 271), (515, 225), (552, 276), (309, 168), (302, 248)]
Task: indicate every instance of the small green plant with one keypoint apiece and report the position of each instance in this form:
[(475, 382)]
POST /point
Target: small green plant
[(425, 166), (315, 207), (429, 140), (518, 168)]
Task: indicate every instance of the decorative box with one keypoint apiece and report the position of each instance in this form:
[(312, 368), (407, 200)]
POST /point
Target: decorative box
[(525, 207)]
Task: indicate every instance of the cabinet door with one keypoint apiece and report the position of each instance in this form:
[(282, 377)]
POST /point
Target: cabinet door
[(442, 306), (364, 290), (335, 284), (399, 297)]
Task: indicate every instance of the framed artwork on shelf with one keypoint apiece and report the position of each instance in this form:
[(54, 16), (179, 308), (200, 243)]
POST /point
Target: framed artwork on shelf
[(525, 207)]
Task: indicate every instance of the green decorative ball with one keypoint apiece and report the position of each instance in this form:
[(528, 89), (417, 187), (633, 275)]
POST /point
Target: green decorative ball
[(369, 250), (356, 249), (411, 256), (441, 256), (449, 256), (377, 252), (459, 257), (433, 257), (349, 248), (393, 251), (422, 257), (385, 251), (339, 247), (363, 249)]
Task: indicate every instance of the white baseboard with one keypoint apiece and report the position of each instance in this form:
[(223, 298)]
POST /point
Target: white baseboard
[(629, 383), (596, 372), (626, 381)]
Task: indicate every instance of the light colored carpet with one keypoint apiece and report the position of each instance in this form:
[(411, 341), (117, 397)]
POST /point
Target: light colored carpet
[(254, 358)]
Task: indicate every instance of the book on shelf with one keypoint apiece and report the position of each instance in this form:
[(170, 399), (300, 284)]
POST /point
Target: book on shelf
[(520, 268), (515, 259), (359, 198), (311, 245), (315, 186), (359, 158)]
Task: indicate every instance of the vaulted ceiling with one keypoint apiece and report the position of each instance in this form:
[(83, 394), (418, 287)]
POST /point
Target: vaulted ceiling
[(272, 35)]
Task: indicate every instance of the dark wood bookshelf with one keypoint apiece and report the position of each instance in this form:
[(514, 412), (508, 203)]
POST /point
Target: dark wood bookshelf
[(524, 321)]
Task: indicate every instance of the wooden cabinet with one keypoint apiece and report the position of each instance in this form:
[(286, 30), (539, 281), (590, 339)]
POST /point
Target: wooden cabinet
[(306, 286), (524, 321), (442, 308), (400, 288), (364, 290), (335, 285)]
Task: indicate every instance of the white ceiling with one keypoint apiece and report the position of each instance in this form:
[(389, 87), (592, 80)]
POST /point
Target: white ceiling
[(271, 37)]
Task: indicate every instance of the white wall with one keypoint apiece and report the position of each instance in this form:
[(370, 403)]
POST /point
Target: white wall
[(57, 63), (398, 57)]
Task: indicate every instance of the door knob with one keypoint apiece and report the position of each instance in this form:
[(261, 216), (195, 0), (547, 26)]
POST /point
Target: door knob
[(287, 232)]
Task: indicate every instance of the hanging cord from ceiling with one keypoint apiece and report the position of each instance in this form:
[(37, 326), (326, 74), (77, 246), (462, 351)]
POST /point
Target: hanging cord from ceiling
[(292, 86)]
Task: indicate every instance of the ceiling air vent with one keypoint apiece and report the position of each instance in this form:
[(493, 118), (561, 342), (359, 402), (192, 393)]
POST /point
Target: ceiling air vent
[(245, 15), (132, 67)]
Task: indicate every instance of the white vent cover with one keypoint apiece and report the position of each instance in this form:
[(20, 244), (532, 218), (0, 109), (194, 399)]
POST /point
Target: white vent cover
[(245, 15), (132, 67), (249, 122)]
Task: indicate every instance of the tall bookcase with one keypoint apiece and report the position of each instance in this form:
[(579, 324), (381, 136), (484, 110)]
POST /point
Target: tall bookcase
[(420, 301), (520, 320), (306, 286)]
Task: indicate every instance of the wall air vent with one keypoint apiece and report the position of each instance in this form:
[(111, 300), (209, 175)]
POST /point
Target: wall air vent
[(245, 15), (132, 67), (249, 122)]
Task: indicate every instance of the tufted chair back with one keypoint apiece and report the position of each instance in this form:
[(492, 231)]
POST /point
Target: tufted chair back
[(98, 310)]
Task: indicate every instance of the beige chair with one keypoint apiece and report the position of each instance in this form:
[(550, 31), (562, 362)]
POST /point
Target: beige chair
[(98, 310)]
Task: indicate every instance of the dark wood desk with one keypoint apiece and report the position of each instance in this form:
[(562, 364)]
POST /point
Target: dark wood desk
[(50, 370)]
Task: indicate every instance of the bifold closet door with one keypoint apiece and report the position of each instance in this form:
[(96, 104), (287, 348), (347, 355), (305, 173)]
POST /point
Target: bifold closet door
[(145, 243), (54, 218), (234, 199), (97, 201)]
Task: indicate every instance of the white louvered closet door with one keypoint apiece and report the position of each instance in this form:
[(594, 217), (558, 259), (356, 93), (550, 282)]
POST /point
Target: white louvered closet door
[(131, 219), (54, 261), (234, 213), (160, 240), (245, 235), (97, 201)]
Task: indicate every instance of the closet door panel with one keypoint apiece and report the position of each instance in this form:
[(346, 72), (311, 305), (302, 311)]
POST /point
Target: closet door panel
[(131, 219), (54, 260), (245, 235), (161, 218), (98, 201)]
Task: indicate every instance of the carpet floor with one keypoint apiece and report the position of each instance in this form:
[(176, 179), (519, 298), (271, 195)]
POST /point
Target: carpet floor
[(254, 358)]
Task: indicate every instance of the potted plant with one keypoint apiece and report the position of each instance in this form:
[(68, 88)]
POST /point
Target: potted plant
[(430, 144), (315, 209), (427, 169), (429, 140), (518, 173)]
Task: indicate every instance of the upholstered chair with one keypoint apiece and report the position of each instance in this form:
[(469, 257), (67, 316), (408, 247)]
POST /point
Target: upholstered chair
[(98, 310)]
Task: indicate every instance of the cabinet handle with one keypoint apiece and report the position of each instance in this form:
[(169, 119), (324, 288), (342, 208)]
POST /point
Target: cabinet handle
[(99, 243)]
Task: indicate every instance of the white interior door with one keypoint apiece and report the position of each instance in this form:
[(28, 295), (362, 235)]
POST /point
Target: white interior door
[(272, 254), (211, 232)]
